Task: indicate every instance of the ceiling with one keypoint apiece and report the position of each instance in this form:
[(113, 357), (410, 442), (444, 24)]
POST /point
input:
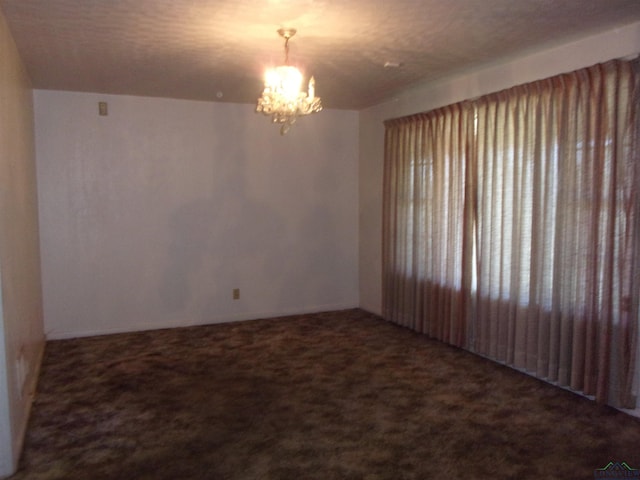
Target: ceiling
[(218, 49)]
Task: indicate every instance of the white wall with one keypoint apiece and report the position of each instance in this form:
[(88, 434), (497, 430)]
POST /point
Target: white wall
[(616, 43), (150, 216), (21, 330)]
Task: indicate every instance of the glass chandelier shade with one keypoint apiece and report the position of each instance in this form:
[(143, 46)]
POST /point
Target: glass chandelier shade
[(282, 98)]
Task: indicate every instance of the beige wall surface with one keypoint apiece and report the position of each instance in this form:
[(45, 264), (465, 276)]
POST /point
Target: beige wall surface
[(618, 43), (21, 325), (152, 215)]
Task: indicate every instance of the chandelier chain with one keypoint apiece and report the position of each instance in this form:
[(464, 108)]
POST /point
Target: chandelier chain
[(286, 50)]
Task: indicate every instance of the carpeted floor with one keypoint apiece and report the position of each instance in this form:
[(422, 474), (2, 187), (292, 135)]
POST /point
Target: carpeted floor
[(338, 395)]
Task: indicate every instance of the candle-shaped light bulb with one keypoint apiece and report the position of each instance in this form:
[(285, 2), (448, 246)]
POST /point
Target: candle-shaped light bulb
[(312, 88)]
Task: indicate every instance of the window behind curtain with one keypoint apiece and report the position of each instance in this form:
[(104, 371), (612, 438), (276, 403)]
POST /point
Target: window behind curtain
[(512, 227)]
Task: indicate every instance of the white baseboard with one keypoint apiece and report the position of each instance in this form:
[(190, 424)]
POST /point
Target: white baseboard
[(138, 327)]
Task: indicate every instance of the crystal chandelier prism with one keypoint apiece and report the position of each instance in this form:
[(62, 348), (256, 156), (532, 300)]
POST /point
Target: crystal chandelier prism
[(282, 98)]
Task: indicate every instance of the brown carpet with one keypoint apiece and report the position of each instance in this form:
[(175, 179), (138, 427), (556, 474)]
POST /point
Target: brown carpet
[(338, 395)]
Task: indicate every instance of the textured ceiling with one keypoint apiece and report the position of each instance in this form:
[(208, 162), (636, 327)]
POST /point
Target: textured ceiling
[(218, 49)]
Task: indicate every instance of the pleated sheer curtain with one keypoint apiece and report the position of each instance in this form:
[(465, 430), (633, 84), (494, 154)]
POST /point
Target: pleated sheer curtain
[(511, 228)]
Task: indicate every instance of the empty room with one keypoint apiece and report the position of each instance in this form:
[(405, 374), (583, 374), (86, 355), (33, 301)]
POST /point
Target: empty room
[(312, 239)]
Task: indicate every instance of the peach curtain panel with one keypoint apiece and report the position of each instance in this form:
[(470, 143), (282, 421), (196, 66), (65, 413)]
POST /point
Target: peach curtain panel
[(512, 228), (427, 268)]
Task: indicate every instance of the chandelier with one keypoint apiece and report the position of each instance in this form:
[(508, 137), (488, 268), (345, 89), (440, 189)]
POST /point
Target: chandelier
[(282, 99)]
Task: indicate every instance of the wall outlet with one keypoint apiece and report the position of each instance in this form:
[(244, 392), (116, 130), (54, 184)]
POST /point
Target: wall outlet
[(236, 293)]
